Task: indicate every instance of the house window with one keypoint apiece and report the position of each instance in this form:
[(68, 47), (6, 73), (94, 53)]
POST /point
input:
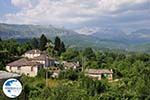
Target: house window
[(18, 68), (31, 68)]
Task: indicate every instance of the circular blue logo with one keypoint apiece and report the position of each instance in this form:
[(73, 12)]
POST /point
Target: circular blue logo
[(12, 88)]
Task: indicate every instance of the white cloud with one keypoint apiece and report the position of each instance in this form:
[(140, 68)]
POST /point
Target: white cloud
[(75, 12), (22, 3)]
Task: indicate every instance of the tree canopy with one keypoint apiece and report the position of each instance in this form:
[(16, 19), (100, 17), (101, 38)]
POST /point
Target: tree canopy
[(89, 54), (59, 46), (43, 42), (131, 76), (35, 43)]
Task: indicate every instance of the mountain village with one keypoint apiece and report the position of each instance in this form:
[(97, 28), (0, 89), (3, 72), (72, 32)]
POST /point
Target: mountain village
[(34, 60)]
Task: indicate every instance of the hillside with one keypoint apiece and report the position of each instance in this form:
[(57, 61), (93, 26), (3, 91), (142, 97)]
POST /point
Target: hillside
[(98, 38)]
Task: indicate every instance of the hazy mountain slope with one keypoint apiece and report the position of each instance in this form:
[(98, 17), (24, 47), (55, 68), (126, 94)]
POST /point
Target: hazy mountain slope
[(145, 47), (70, 37), (99, 38), (136, 37), (29, 31), (140, 36)]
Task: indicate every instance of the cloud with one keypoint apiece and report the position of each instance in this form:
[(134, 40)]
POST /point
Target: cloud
[(22, 3), (80, 12)]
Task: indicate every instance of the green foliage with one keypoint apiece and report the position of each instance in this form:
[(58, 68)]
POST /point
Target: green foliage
[(42, 73), (93, 87), (89, 54), (69, 74), (59, 46), (57, 43), (35, 43), (43, 42), (62, 47), (23, 48), (131, 75), (10, 50), (50, 51), (10, 46), (70, 54)]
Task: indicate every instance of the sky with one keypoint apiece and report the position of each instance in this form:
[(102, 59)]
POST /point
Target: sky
[(73, 14)]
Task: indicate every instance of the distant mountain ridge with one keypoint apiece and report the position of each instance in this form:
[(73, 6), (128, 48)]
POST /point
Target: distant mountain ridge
[(96, 37), (29, 31), (138, 36), (141, 34)]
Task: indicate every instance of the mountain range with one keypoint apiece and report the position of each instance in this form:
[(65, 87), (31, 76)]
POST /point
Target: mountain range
[(138, 40)]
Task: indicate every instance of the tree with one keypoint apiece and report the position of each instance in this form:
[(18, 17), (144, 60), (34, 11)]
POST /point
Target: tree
[(34, 43), (43, 42), (42, 73), (70, 54), (50, 51), (57, 43), (23, 48), (69, 74), (26, 91), (89, 54), (62, 47), (11, 46), (0, 39)]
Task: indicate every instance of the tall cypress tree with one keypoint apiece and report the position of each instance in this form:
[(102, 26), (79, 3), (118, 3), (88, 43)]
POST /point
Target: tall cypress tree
[(43, 42), (57, 43), (62, 47)]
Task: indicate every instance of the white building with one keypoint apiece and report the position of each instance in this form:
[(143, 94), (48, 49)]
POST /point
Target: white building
[(31, 63), (70, 65), (32, 53), (24, 66), (45, 60), (99, 73), (36, 55)]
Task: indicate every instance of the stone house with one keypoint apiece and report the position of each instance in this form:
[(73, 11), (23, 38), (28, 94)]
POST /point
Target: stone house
[(36, 55), (31, 63), (24, 66), (99, 73), (32, 53), (70, 65), (45, 60)]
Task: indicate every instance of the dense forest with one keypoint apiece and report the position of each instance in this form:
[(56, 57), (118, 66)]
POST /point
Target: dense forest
[(131, 73)]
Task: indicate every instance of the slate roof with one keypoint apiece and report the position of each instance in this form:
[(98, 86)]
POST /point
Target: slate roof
[(70, 64), (23, 62), (98, 71)]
